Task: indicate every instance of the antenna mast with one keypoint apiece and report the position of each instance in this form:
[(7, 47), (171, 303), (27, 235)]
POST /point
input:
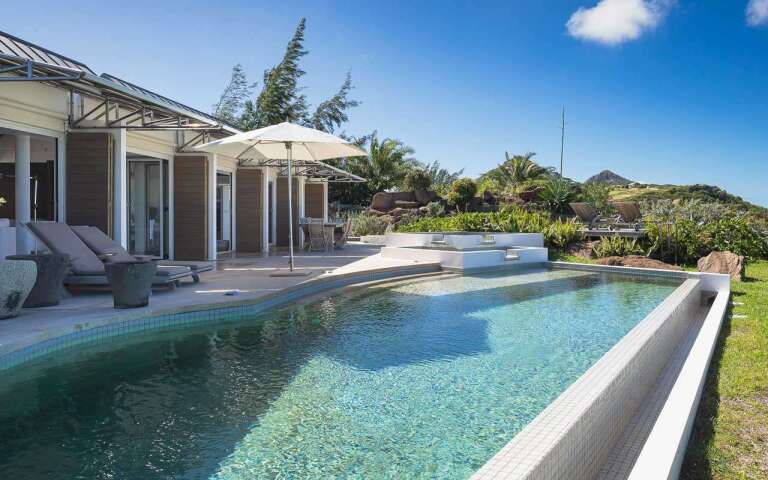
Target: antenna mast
[(562, 142)]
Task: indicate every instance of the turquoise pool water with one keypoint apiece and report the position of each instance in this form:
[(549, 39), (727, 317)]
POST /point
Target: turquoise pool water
[(424, 379)]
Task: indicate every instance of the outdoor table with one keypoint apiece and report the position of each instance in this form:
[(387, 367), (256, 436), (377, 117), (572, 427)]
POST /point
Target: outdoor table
[(330, 229), (49, 285)]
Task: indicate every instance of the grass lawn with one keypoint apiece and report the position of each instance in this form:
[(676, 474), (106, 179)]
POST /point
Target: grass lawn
[(730, 436)]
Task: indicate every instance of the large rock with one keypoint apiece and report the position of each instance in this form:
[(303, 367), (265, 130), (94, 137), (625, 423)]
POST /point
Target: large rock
[(424, 196), (407, 204), (382, 202), (636, 261), (723, 262)]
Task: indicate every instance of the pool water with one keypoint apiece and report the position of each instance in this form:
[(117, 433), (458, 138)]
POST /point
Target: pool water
[(419, 379)]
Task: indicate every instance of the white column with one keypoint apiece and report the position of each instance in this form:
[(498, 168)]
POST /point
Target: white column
[(265, 202), (211, 207), (325, 201), (24, 240), (120, 213), (61, 175)]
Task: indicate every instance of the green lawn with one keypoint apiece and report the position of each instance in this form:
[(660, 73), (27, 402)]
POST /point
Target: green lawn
[(730, 436)]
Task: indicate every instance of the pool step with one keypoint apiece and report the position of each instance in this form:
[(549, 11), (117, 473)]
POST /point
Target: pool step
[(511, 256)]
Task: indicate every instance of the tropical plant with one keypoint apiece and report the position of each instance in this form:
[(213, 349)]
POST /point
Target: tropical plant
[(461, 193), (416, 179), (561, 233), (556, 193), (616, 246), (385, 167), (515, 173), (367, 224)]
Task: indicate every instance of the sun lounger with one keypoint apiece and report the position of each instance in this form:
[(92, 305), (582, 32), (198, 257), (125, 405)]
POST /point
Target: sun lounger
[(629, 213), (86, 269), (103, 246), (589, 215)]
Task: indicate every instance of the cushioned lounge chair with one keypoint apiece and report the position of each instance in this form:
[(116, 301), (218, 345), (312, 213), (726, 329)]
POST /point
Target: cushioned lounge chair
[(589, 215), (86, 269), (630, 213), (103, 246)]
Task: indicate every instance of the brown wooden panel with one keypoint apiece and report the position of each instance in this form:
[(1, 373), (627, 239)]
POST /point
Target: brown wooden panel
[(248, 210), (190, 208), (313, 200), (282, 211), (90, 180)]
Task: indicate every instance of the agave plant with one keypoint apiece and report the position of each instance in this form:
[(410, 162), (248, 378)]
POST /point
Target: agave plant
[(556, 193)]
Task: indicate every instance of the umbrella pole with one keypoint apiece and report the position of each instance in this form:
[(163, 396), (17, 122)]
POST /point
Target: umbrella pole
[(290, 207)]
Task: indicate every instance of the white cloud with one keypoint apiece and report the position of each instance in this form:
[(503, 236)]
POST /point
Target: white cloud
[(757, 12), (612, 22)]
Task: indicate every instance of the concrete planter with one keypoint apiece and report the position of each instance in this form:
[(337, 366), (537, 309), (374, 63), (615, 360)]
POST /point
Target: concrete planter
[(17, 277), (131, 282), (51, 270)]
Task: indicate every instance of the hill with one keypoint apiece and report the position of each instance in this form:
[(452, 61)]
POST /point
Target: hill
[(609, 178)]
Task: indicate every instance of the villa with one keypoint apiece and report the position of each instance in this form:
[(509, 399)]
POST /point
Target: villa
[(97, 150)]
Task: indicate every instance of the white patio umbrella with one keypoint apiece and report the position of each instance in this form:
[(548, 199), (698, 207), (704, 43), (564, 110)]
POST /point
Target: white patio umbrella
[(284, 141)]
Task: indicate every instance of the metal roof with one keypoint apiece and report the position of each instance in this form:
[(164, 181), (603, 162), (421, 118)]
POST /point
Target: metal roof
[(307, 168), (17, 47), (28, 62)]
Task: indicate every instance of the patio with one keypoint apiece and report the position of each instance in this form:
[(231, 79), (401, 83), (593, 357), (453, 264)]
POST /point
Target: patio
[(235, 279)]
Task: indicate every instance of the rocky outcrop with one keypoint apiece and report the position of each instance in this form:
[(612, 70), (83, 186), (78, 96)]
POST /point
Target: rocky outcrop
[(609, 178), (723, 262), (636, 261)]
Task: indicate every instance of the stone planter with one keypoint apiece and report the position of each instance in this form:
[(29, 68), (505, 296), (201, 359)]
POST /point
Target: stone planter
[(131, 282), (51, 270), (17, 277)]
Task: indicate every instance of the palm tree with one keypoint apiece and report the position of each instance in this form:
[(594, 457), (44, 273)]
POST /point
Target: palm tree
[(516, 171)]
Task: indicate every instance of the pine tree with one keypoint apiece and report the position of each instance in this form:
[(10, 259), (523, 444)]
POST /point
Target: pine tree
[(332, 113), (232, 101)]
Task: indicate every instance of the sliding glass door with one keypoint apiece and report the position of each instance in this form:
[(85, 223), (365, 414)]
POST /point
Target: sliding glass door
[(146, 208)]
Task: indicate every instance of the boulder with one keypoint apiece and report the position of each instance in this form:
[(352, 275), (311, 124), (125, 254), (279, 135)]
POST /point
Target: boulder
[(397, 212), (406, 204), (382, 202), (723, 262), (530, 195), (378, 213), (636, 261), (423, 196)]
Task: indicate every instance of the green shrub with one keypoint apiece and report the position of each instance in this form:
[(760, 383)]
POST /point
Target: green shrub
[(367, 224), (556, 193), (461, 193), (598, 194), (417, 179), (616, 246), (435, 209), (561, 233)]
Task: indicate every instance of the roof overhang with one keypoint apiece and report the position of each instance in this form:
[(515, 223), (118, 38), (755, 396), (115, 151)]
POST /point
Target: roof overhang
[(119, 104)]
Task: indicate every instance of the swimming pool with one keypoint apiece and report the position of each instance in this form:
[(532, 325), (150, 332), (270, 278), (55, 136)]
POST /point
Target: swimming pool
[(424, 378)]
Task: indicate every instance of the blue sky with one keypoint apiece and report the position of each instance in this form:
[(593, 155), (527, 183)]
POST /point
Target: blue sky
[(664, 91)]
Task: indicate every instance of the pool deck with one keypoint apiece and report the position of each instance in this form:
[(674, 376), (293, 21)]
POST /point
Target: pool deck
[(247, 276)]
